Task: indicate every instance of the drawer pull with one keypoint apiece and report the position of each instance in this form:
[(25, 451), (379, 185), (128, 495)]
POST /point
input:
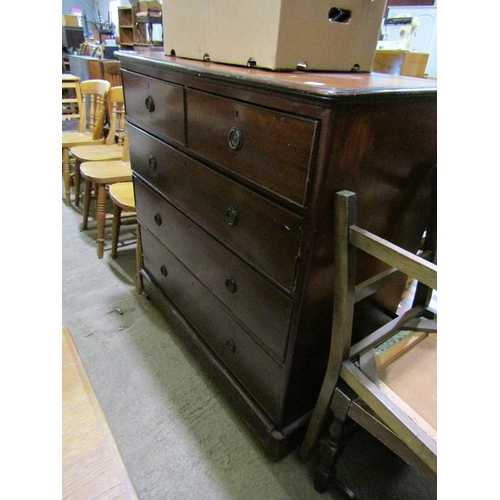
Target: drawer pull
[(150, 104), (231, 345), (235, 138), (152, 162), (158, 219), (164, 271), (232, 216), (231, 284)]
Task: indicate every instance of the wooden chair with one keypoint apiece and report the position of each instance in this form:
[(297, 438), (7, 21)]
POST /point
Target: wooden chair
[(386, 382), (71, 97), (112, 148), (101, 174), (90, 127), (122, 196)]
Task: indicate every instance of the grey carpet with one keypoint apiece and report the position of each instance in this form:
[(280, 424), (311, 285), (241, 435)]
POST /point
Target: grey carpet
[(178, 437)]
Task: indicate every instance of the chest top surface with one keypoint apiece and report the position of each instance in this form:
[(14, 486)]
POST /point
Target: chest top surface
[(318, 85)]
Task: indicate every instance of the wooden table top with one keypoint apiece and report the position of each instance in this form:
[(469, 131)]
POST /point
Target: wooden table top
[(92, 466)]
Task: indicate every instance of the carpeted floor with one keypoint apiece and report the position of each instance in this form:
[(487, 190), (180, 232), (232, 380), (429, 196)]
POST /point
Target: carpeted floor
[(178, 437)]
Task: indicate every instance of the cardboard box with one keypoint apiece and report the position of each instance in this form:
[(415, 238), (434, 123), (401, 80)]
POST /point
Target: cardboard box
[(275, 34), (69, 20)]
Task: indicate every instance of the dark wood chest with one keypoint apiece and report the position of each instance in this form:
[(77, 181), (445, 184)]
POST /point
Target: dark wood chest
[(234, 174)]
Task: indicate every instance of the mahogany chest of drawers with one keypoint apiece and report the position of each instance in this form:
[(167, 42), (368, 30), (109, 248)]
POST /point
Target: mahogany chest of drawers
[(234, 174)]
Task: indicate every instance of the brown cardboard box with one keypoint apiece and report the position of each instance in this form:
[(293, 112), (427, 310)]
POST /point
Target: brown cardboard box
[(277, 34), (69, 20)]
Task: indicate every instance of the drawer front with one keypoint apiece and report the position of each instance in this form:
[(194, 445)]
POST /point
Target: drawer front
[(259, 305), (256, 371), (261, 231), (271, 149), (155, 105)]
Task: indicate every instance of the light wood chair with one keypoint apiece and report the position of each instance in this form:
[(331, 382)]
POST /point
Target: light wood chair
[(101, 174), (386, 382), (90, 127), (112, 149), (71, 97), (123, 198)]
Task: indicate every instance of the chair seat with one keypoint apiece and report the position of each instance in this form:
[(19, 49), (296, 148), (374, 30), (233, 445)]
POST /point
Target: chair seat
[(122, 193), (70, 139), (107, 172), (96, 152)]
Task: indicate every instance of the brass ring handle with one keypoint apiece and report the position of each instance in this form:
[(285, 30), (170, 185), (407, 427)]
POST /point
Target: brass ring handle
[(232, 217), (231, 284), (235, 138), (150, 104), (152, 162)]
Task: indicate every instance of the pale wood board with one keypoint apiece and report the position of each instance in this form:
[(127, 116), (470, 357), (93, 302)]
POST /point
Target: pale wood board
[(412, 376), (92, 466)]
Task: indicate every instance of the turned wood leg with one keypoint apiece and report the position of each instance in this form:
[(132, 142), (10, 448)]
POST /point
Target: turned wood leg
[(117, 212), (101, 218), (77, 180), (86, 203), (331, 446), (66, 175), (138, 262)]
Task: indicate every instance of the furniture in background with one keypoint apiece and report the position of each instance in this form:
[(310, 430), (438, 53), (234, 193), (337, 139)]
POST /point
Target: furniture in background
[(135, 24), (101, 174), (112, 149), (386, 382), (235, 171), (71, 97), (92, 466), (400, 62), (123, 198), (90, 127), (72, 38), (92, 68), (126, 28)]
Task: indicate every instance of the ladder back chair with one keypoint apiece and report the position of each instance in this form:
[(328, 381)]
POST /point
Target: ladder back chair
[(90, 126), (112, 148), (386, 382)]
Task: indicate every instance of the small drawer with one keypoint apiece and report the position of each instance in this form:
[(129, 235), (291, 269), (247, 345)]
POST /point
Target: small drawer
[(271, 149), (244, 358), (258, 304), (155, 105), (259, 230)]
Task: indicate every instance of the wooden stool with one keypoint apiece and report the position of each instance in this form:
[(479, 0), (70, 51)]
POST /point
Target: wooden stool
[(122, 195), (71, 97)]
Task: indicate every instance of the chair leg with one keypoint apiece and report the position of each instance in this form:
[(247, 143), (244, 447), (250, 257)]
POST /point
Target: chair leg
[(138, 262), (66, 175), (117, 213), (77, 180), (86, 203), (330, 448), (101, 218)]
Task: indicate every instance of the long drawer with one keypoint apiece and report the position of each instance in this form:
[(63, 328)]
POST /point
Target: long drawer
[(261, 306), (261, 231), (271, 149), (256, 371), (156, 105)]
